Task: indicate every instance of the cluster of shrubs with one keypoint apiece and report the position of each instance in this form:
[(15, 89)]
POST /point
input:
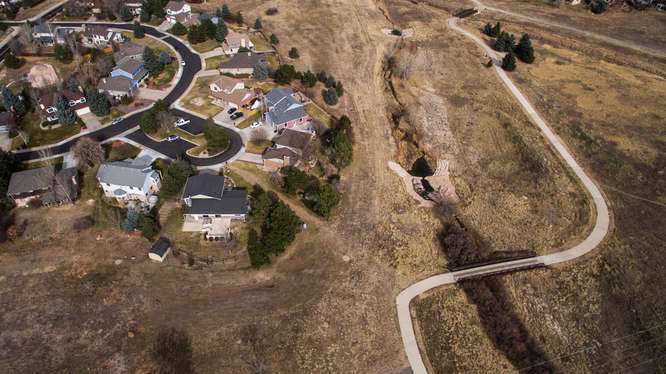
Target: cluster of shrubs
[(278, 227), (319, 197), (506, 42), (286, 73)]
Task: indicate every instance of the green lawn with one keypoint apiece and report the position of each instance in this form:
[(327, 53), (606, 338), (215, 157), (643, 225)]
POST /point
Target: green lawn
[(37, 136), (115, 113), (248, 121), (258, 146), (317, 113), (154, 44), (168, 74), (154, 21), (56, 162), (213, 62), (239, 182), (260, 44), (206, 46), (201, 89)]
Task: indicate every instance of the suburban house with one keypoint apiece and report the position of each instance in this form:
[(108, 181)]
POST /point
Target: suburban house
[(241, 63), (43, 187), (227, 91), (277, 158), (234, 41), (129, 180), (128, 51), (209, 208), (178, 11), (43, 33), (100, 36), (294, 140), (160, 250), (124, 79), (134, 7), (76, 101), (283, 110)]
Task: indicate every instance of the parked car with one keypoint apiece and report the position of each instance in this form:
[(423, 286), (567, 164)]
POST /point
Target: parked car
[(173, 138), (236, 115), (181, 122), (231, 110), (117, 121), (255, 125), (182, 62)]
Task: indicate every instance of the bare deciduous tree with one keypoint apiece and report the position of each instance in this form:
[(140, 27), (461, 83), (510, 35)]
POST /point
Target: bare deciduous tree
[(408, 62), (258, 135), (165, 120), (103, 65), (88, 153)]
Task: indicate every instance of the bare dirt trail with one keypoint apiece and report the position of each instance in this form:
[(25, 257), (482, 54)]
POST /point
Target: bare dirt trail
[(598, 233)]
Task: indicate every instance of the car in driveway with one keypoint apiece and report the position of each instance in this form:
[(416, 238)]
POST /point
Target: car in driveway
[(236, 115), (117, 121), (181, 122), (231, 110), (182, 62), (172, 138), (254, 125)]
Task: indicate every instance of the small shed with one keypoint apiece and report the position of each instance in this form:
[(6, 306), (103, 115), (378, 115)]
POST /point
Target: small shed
[(160, 250)]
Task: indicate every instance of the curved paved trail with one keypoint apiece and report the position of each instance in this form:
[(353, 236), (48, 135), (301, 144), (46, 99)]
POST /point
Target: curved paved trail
[(603, 38), (596, 236)]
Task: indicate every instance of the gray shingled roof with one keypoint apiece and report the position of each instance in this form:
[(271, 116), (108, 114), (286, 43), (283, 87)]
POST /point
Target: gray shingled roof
[(129, 66), (128, 49), (204, 184), (175, 5), (232, 202), (294, 139), (243, 60), (27, 181), (42, 28), (279, 153), (285, 107), (119, 83), (131, 173)]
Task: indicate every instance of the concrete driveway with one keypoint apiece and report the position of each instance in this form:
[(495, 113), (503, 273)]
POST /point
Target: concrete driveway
[(91, 121), (148, 94)]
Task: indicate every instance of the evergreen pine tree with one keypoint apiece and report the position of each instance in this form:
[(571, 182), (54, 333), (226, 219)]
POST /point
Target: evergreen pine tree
[(98, 103), (73, 84), (145, 14), (178, 29), (226, 14), (274, 39), (257, 23), (138, 30), (293, 53), (509, 62), (524, 50), (488, 29), (221, 31), (321, 76), (65, 113), (497, 30), (218, 13), (259, 72), (330, 96), (208, 28), (239, 17), (339, 89), (125, 13), (11, 61)]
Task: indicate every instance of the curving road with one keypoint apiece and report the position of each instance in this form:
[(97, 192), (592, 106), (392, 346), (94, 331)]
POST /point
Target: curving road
[(170, 149), (591, 242)]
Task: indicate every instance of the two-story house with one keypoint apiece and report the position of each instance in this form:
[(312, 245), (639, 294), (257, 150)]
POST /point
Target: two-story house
[(234, 41), (230, 92), (209, 208), (129, 180), (43, 33), (75, 99), (283, 110), (100, 36), (178, 11), (124, 79)]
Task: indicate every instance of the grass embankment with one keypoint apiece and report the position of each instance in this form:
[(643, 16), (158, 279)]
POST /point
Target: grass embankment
[(206, 46), (316, 113), (119, 151), (37, 137), (260, 44), (256, 116), (213, 62), (258, 146)]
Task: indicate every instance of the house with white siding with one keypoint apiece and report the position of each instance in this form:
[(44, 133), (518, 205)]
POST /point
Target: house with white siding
[(129, 180)]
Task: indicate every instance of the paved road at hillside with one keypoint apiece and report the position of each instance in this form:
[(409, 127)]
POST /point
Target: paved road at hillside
[(603, 38), (174, 149), (596, 236)]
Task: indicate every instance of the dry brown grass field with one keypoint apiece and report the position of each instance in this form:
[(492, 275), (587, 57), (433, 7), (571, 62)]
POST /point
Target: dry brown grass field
[(68, 306)]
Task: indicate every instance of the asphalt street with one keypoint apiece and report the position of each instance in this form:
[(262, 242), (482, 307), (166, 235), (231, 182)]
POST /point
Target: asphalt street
[(171, 149)]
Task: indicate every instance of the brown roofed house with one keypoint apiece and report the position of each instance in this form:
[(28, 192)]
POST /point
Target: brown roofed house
[(241, 63), (276, 158), (235, 40), (76, 101), (43, 186), (293, 139)]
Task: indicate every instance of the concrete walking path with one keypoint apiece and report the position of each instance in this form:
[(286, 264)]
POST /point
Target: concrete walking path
[(591, 242)]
